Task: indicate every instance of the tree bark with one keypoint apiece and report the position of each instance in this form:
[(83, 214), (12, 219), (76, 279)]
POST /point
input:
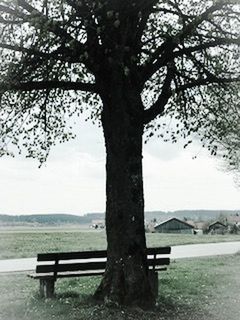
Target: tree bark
[(126, 277)]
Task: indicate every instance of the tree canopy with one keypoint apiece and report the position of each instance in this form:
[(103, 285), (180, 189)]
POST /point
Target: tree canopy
[(182, 55), (230, 142)]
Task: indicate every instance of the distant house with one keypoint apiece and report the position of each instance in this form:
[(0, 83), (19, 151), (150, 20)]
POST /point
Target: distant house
[(200, 227), (234, 219), (174, 225), (149, 227), (217, 228), (98, 224)]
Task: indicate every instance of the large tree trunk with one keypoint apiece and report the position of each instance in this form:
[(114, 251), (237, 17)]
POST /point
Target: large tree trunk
[(126, 278)]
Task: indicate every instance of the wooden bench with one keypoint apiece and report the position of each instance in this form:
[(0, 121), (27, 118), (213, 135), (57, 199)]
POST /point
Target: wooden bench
[(53, 266)]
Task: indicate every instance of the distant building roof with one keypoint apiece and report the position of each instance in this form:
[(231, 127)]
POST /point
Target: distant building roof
[(176, 219), (217, 223), (191, 222)]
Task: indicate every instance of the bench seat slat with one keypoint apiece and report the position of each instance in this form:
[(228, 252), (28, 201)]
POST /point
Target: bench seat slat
[(71, 267), (71, 255)]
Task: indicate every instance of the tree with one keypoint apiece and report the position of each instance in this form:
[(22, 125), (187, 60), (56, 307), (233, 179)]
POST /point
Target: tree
[(131, 62), (230, 142)]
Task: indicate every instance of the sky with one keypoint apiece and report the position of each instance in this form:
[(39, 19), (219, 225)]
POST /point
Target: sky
[(73, 179)]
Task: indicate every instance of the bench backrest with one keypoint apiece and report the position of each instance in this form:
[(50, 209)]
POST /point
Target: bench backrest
[(91, 260)]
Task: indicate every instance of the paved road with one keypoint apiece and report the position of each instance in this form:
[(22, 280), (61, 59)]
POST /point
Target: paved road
[(178, 252), (207, 249)]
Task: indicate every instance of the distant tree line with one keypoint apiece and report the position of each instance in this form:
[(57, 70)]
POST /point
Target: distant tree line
[(51, 219), (54, 219)]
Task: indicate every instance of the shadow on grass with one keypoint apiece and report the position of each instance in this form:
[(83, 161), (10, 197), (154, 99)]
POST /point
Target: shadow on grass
[(68, 294), (84, 306)]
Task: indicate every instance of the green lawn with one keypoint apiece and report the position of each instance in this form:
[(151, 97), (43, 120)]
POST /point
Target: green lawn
[(29, 243), (192, 289), (23, 243)]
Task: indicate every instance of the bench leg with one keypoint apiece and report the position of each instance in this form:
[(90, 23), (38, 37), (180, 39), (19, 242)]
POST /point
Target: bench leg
[(47, 288), (153, 279)]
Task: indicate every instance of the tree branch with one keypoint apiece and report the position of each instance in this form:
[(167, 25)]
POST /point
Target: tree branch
[(165, 52), (48, 85), (158, 107), (61, 54), (8, 10), (204, 82), (84, 11), (51, 25), (207, 45), (11, 22), (192, 26), (80, 9)]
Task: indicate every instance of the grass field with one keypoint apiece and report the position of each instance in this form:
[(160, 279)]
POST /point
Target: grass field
[(192, 289), (23, 243)]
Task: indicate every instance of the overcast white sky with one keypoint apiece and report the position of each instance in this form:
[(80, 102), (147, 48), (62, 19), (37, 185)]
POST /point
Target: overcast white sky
[(73, 180)]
